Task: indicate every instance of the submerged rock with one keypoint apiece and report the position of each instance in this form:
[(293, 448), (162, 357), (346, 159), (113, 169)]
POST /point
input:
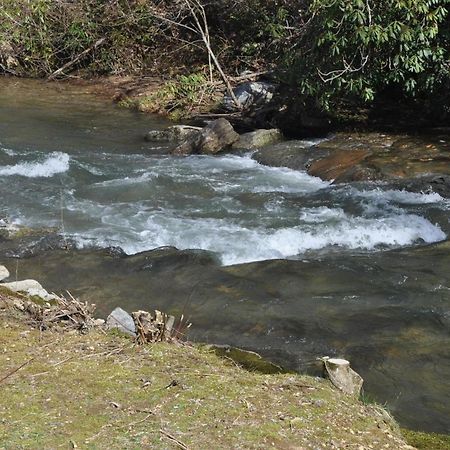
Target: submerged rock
[(119, 319), (216, 137), (258, 139), (41, 245), (249, 360)]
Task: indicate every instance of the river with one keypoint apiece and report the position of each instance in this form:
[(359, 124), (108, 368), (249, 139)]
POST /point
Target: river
[(270, 259)]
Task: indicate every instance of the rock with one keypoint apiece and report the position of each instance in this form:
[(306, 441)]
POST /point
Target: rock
[(250, 95), (258, 139), (4, 273), (428, 183), (175, 133), (342, 376), (119, 319), (338, 164), (217, 136), (296, 155), (99, 322), (31, 288)]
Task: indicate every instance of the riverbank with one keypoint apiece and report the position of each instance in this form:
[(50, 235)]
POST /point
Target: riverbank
[(100, 390)]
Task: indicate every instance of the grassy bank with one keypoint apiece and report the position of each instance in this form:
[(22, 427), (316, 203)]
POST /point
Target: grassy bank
[(99, 390)]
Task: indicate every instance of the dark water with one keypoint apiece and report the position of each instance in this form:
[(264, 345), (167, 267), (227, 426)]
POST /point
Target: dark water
[(290, 266)]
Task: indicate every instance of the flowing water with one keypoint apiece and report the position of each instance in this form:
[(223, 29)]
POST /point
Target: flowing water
[(296, 268)]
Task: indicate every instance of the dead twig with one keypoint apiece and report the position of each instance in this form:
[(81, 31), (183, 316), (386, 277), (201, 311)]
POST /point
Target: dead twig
[(15, 370), (173, 439)]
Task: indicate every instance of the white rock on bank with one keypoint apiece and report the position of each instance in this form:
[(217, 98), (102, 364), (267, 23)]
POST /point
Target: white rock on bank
[(4, 273), (31, 288)]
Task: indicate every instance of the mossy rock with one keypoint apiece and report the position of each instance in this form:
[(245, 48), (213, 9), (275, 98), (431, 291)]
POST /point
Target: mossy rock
[(427, 441), (248, 360)]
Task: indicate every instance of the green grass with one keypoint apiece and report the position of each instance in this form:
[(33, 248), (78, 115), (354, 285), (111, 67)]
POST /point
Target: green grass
[(99, 391)]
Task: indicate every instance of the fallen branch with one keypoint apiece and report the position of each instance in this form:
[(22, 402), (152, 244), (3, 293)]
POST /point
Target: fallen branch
[(174, 440), (15, 370), (76, 59)]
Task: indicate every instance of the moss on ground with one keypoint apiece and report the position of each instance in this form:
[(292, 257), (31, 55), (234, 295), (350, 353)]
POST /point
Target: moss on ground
[(99, 390)]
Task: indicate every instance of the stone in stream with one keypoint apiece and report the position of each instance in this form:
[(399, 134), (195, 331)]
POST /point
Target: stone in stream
[(4, 273), (119, 319), (258, 139), (31, 288), (217, 136), (175, 133)]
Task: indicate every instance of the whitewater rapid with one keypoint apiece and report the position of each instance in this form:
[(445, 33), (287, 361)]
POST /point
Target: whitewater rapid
[(230, 205)]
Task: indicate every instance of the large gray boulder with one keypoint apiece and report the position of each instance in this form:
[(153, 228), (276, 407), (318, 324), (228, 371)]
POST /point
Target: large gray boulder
[(217, 136), (120, 320)]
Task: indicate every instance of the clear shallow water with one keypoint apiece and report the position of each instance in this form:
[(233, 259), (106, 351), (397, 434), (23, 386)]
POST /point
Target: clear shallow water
[(358, 280)]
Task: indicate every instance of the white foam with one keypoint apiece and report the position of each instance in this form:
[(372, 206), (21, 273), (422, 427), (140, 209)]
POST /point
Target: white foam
[(8, 151), (55, 163), (401, 197), (236, 243)]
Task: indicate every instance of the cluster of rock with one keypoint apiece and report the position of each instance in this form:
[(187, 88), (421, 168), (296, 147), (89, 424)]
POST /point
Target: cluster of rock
[(217, 137), (142, 325)]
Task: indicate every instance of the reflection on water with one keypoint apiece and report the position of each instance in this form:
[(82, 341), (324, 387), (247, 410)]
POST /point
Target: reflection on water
[(358, 281)]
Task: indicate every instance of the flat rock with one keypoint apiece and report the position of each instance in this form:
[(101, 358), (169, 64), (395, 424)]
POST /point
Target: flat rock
[(4, 273), (119, 319), (31, 288)]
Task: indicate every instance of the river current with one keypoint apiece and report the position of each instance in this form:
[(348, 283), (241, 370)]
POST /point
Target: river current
[(348, 255)]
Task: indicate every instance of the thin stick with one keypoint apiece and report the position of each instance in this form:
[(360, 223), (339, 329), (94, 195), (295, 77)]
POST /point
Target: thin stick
[(174, 440), (15, 370), (203, 33)]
